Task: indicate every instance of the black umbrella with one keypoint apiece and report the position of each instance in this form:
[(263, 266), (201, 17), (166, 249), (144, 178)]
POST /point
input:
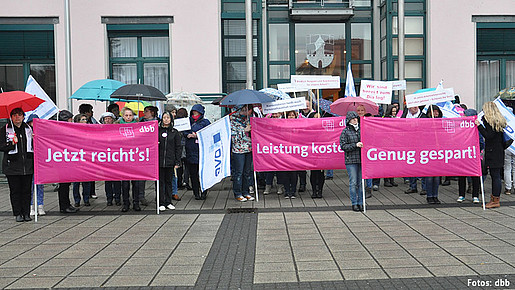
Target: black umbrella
[(138, 92), (244, 97)]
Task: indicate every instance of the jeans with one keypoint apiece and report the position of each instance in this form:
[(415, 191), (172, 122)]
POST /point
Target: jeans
[(39, 193), (269, 177), (509, 169), (302, 177), (432, 184), (242, 170), (175, 189), (413, 183), (86, 190), (113, 189), (329, 173), (354, 171)]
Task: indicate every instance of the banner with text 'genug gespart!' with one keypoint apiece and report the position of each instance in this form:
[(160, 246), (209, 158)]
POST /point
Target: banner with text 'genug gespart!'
[(395, 147), (214, 152), (74, 152), (297, 144)]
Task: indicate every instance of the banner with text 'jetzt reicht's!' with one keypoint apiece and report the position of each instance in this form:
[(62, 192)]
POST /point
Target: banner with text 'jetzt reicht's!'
[(73, 152)]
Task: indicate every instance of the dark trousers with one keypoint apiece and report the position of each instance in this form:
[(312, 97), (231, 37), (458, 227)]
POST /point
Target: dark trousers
[(113, 189), (64, 196), (462, 185), (180, 174), (317, 180), (165, 185), (91, 188), (135, 191), (302, 177), (186, 171), (141, 189), (86, 191), (195, 181), (19, 187), (289, 180), (495, 173)]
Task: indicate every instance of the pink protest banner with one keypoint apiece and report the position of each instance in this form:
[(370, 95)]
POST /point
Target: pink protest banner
[(419, 147), (297, 144), (73, 152)]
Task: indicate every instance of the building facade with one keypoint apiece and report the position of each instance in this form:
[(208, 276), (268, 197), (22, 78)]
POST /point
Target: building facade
[(199, 46)]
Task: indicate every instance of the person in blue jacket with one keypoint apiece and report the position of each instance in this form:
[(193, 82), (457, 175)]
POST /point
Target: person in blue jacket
[(197, 122)]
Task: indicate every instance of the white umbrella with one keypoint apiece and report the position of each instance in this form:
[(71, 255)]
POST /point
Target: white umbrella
[(182, 99)]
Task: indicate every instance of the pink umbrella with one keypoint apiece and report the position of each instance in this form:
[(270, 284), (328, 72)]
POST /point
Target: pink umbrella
[(344, 105)]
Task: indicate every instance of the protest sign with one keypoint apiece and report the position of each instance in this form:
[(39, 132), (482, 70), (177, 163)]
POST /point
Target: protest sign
[(419, 147), (398, 85), (284, 105), (316, 81), (73, 152), (297, 144), (429, 97), (290, 88), (214, 152), (376, 91), (510, 121), (182, 124)]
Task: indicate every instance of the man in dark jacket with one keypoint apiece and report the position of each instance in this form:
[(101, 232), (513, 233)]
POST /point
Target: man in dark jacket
[(350, 142)]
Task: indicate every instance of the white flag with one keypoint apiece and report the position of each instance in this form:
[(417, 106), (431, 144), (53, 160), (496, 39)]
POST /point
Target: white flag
[(47, 109), (214, 152)]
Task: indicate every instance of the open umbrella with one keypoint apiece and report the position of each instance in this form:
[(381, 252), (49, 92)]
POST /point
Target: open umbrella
[(183, 99), (244, 97), (276, 94), (17, 99), (98, 90), (137, 107), (344, 105), (325, 105), (138, 92), (506, 94)]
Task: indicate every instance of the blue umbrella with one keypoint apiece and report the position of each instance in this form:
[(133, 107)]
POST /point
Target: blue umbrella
[(98, 90), (325, 105), (244, 97), (276, 94)]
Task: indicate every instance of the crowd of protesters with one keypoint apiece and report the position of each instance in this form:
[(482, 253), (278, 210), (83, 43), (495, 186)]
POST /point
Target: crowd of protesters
[(179, 159)]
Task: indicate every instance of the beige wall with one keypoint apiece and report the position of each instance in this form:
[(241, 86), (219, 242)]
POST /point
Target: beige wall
[(195, 39), (452, 42)]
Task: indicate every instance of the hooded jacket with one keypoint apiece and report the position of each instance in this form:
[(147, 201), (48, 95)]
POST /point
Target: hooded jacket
[(192, 150), (349, 138), (170, 148)]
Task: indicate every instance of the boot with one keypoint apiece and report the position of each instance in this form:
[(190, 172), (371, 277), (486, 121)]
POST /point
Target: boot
[(32, 210), (494, 202), (41, 211)]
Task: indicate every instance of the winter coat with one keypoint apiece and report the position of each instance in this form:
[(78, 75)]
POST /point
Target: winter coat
[(241, 142), (494, 145), (21, 162), (192, 150), (170, 148), (348, 140)]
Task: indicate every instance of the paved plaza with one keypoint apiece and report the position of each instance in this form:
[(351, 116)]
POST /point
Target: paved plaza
[(400, 242)]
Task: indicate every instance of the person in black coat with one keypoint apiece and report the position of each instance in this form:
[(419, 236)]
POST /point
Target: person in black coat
[(18, 163), (170, 151), (492, 130)]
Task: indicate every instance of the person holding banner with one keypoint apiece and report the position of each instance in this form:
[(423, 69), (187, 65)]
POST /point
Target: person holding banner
[(170, 151), (86, 186), (40, 191), (113, 189), (474, 181), (492, 127), (63, 192), (18, 163), (350, 142), (197, 122), (433, 182)]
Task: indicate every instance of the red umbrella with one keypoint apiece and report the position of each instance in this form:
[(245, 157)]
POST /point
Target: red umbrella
[(344, 105), (17, 99)]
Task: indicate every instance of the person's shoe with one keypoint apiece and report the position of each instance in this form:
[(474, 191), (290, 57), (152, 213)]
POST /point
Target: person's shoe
[(355, 207), (125, 208), (143, 202), (388, 184), (197, 197), (460, 199), (170, 206), (319, 194), (251, 190), (286, 196), (136, 207), (494, 202), (368, 192), (32, 211), (302, 188), (176, 197), (280, 189), (447, 182), (27, 218), (423, 192), (375, 187), (70, 209), (249, 197), (436, 201), (118, 203), (109, 203), (314, 194), (430, 200), (268, 189), (360, 206), (406, 181), (241, 198), (292, 195), (77, 204), (395, 184), (475, 200), (203, 194), (41, 211), (86, 203), (507, 191), (411, 190), (93, 196), (162, 208), (19, 218), (328, 178)]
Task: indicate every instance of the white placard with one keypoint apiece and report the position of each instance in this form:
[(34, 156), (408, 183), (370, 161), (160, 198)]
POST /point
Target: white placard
[(376, 91), (316, 82), (182, 124), (398, 85), (429, 98), (290, 88), (284, 105)]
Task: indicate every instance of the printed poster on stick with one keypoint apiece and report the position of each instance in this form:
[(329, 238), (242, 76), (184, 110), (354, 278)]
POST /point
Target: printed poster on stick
[(284, 105), (430, 98), (316, 82), (376, 91)]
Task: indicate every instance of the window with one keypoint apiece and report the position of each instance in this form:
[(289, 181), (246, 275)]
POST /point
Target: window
[(140, 56)]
